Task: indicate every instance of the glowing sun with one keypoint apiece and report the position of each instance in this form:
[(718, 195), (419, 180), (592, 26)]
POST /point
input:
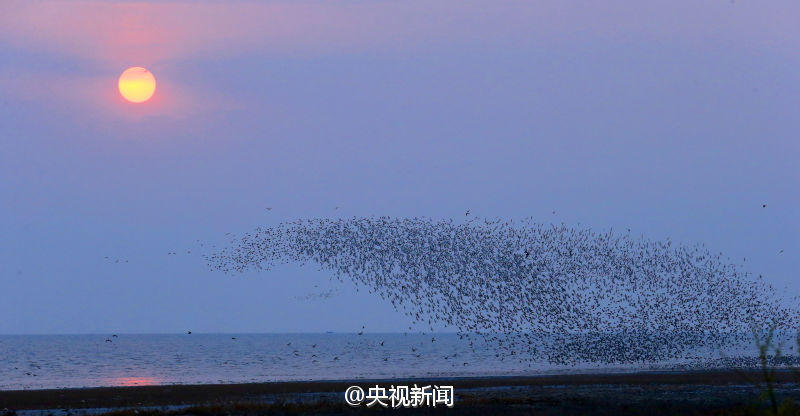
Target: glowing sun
[(137, 84)]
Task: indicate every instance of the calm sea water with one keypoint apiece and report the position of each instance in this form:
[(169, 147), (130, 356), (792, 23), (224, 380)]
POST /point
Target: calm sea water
[(58, 361)]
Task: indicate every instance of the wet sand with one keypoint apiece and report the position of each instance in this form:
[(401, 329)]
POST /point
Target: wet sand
[(628, 393)]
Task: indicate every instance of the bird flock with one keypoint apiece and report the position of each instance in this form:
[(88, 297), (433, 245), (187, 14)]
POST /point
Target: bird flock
[(533, 291)]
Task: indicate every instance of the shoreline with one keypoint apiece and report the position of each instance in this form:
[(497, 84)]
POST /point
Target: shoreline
[(194, 394)]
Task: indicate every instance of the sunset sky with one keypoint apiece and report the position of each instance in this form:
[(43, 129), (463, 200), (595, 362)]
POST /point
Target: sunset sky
[(673, 118)]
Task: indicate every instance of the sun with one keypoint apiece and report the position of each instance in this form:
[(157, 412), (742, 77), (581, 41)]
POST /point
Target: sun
[(137, 84)]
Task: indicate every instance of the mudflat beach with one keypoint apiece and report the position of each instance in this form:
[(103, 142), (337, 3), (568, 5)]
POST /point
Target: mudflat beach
[(702, 392)]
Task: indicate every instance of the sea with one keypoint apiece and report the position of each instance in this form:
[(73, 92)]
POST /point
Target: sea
[(75, 361)]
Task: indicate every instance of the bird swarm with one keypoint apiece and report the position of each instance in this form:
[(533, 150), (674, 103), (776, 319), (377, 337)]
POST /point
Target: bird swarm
[(533, 291)]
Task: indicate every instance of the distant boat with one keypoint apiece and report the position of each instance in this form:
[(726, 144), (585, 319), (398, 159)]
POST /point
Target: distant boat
[(328, 332)]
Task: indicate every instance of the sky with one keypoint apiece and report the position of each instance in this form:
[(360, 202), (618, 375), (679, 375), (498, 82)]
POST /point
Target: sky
[(673, 118)]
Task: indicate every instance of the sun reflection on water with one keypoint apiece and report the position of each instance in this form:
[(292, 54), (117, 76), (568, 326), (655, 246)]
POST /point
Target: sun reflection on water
[(134, 381)]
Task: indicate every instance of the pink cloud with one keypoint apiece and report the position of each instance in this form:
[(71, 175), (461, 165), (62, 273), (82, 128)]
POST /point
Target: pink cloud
[(124, 32), (99, 96), (115, 35)]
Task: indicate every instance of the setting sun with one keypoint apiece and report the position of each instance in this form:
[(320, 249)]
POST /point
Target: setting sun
[(137, 84)]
